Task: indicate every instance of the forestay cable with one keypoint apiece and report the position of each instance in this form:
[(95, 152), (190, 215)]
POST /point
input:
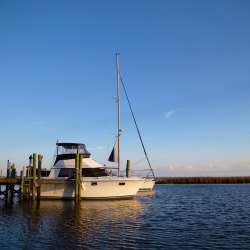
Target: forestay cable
[(136, 125)]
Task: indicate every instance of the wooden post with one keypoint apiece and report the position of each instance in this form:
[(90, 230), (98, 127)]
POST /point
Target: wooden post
[(40, 157), (28, 180), (7, 186), (128, 169), (29, 176), (30, 165), (0, 185), (76, 177), (12, 175), (8, 168), (80, 177), (34, 178), (30, 160), (22, 183)]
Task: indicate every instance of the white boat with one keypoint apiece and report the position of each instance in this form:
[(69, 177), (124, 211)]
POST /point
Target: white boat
[(148, 185), (96, 181)]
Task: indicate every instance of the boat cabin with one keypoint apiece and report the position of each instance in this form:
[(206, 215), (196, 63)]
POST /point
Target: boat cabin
[(66, 151), (64, 165)]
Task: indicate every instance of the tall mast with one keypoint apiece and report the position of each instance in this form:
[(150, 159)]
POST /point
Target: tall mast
[(118, 108)]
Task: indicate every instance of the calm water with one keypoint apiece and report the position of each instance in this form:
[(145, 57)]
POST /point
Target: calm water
[(175, 217)]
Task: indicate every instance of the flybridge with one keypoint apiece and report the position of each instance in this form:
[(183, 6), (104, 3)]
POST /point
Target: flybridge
[(69, 144), (71, 148), (68, 150)]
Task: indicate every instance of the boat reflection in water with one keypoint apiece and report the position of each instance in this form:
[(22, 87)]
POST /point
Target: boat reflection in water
[(85, 224)]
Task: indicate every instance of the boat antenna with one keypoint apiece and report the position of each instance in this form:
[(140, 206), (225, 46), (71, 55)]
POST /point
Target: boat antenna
[(118, 108), (136, 125)]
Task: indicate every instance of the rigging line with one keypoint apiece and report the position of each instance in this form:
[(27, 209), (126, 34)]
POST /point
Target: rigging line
[(139, 161), (136, 125)]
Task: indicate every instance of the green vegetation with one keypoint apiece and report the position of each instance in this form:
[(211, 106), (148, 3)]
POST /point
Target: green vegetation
[(203, 180)]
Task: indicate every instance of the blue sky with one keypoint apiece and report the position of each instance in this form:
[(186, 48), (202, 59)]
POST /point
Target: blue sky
[(186, 65)]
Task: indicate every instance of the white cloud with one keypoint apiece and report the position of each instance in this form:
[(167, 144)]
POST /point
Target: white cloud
[(171, 168), (169, 114), (189, 167)]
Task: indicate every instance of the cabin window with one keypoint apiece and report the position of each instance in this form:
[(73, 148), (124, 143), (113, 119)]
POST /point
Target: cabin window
[(93, 183), (94, 172), (67, 172), (45, 173), (121, 183)]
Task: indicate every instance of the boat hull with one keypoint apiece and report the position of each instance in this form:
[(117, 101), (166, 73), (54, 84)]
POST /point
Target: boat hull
[(148, 185), (93, 188)]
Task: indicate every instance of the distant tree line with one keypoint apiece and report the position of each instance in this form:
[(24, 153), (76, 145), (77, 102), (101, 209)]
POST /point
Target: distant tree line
[(203, 180)]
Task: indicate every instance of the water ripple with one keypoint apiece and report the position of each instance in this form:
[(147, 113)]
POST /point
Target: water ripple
[(175, 217)]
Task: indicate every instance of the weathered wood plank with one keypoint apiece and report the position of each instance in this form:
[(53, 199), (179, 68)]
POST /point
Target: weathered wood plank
[(9, 180)]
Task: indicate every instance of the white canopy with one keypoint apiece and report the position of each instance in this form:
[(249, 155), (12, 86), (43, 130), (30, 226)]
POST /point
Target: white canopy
[(86, 163)]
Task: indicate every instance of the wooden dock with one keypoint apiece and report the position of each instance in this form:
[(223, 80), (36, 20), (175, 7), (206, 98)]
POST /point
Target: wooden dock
[(29, 183), (10, 180)]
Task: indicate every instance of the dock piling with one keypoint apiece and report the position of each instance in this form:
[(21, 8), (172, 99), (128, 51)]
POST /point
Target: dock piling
[(40, 157), (76, 177), (34, 178), (80, 177), (28, 175), (128, 169), (7, 188), (22, 183), (30, 166)]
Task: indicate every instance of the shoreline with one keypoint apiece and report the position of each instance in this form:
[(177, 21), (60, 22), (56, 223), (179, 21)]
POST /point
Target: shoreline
[(203, 180)]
